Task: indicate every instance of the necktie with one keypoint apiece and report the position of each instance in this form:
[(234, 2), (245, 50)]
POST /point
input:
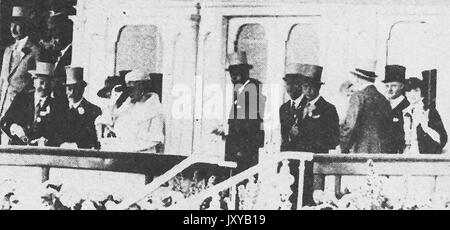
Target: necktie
[(306, 110), (37, 108)]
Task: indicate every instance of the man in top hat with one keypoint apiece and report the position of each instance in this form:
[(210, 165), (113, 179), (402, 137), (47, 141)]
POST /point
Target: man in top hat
[(35, 118), (367, 126), (309, 123), (61, 32), (245, 133), (139, 126), (81, 114), (394, 82), (18, 59)]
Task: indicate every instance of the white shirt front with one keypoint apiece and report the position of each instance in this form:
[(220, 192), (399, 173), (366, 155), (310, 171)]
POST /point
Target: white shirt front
[(297, 101), (20, 44), (76, 104), (40, 100), (396, 101)]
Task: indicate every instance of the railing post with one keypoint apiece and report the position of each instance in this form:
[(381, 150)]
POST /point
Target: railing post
[(301, 182), (45, 174)]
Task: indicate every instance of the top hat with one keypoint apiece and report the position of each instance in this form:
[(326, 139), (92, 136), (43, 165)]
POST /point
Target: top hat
[(18, 12), (74, 76), (238, 59), (304, 73), (395, 73), (43, 69), (59, 21)]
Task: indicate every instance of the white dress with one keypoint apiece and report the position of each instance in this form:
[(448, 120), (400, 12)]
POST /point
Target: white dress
[(139, 127)]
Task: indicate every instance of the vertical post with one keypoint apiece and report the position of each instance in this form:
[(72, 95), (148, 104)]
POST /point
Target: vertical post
[(301, 181), (45, 174)]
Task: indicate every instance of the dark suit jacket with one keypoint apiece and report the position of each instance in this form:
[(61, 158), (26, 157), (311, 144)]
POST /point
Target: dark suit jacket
[(426, 144), (80, 127), (47, 124), (398, 132), (318, 133), (245, 133), (368, 125)]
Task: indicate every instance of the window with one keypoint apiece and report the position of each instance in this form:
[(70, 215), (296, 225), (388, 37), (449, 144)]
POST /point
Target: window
[(251, 38)]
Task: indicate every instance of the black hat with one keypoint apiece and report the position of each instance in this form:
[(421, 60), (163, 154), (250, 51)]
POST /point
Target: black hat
[(113, 81), (395, 73), (59, 21), (110, 83), (414, 83), (365, 75)]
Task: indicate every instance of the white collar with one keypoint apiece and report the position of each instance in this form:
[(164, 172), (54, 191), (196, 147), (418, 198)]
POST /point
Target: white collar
[(39, 100), (396, 102), (418, 106), (297, 101), (20, 44), (313, 102), (76, 104), (243, 87)]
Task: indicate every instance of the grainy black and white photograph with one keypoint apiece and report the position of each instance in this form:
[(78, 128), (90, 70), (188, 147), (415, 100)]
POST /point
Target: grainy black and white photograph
[(224, 105)]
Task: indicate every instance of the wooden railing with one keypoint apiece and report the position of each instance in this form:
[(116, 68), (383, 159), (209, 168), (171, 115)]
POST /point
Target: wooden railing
[(329, 169), (271, 191), (150, 165)]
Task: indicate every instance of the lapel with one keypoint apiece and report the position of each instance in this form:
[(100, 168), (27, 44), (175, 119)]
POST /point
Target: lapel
[(403, 105), (65, 59)]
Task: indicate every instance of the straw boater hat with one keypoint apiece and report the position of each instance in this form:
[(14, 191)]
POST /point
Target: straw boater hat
[(238, 59), (366, 70), (74, 76), (395, 73), (43, 69), (304, 73)]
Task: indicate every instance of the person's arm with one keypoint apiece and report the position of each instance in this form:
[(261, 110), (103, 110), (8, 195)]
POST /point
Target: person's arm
[(333, 128), (432, 125), (350, 122)]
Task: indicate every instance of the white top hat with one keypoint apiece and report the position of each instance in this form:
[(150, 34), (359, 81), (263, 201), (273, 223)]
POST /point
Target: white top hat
[(74, 76), (137, 75), (43, 68), (18, 11)]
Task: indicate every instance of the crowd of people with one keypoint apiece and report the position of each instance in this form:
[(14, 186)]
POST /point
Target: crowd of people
[(401, 122), (42, 96)]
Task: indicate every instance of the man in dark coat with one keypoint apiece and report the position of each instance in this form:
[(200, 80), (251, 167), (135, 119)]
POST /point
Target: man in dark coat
[(35, 118), (367, 126), (245, 133), (61, 30), (308, 123), (394, 81), (81, 115)]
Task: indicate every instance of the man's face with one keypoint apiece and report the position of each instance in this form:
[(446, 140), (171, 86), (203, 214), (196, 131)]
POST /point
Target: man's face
[(57, 41), (394, 90), (75, 92), (311, 91), (42, 86), (17, 30), (238, 75), (293, 89)]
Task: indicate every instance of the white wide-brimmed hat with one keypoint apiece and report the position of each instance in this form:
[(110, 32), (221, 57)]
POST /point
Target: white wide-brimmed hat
[(137, 75)]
